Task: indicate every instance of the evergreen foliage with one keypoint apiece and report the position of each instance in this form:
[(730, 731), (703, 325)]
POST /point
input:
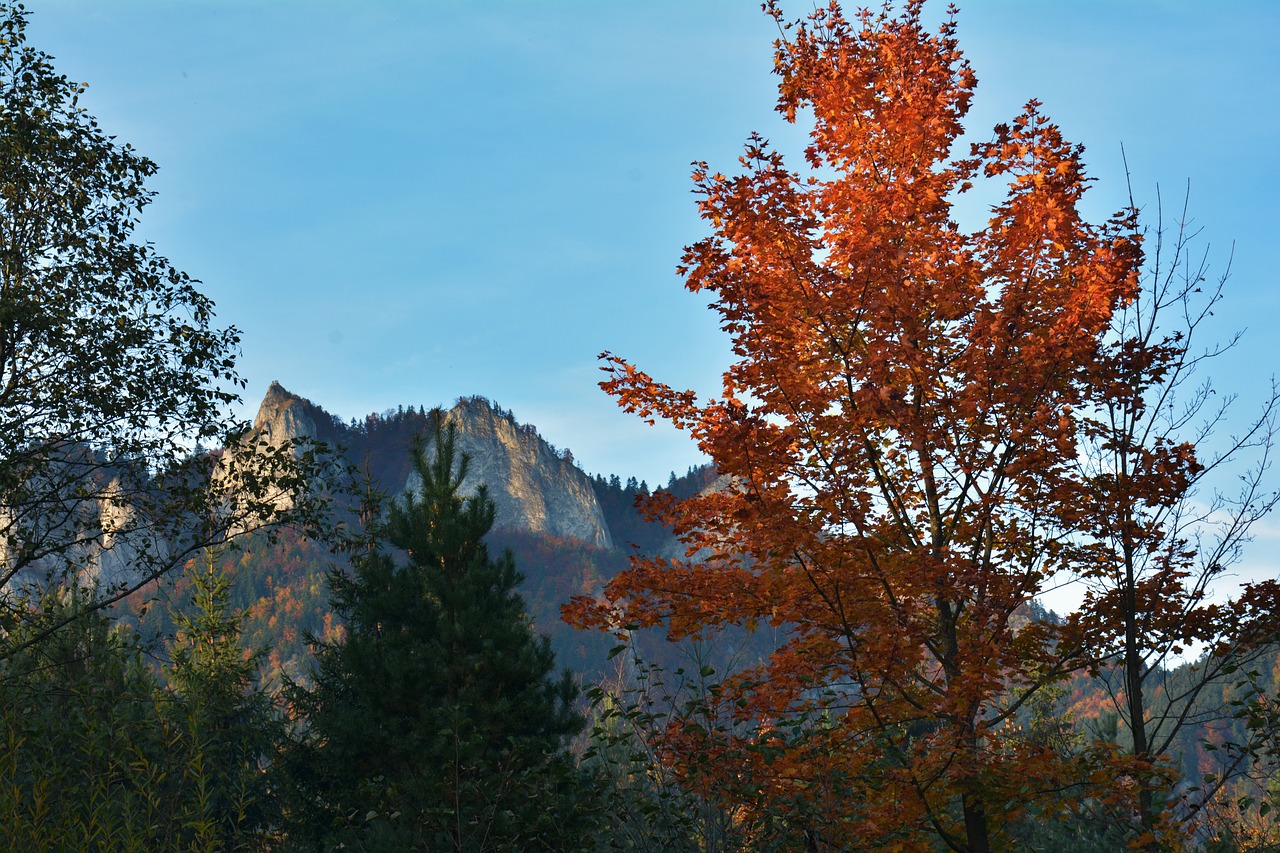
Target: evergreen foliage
[(436, 722), (226, 724), (631, 528), (82, 747), (96, 755)]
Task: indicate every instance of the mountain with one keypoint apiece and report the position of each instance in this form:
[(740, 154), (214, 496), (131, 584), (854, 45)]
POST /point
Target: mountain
[(570, 533), (535, 489)]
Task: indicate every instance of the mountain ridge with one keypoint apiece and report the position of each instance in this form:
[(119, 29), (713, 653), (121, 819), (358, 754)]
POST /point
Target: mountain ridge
[(570, 533), (535, 488)]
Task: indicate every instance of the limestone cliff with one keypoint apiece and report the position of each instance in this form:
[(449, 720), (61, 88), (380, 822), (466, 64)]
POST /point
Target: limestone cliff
[(533, 488), (673, 548), (101, 536), (284, 416), (283, 420)]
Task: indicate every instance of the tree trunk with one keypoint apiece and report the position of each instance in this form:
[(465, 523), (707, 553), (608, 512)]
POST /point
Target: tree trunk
[(975, 827), (1133, 677)]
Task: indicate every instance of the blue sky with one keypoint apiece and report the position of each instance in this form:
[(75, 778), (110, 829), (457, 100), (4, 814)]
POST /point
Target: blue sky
[(402, 203)]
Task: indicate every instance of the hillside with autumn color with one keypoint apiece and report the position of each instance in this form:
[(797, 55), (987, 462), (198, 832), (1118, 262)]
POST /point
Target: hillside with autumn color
[(280, 581)]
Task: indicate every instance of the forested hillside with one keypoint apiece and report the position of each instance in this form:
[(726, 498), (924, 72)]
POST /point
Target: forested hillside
[(281, 585)]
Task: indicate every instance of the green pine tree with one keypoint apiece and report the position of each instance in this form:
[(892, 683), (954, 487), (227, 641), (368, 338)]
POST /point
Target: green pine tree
[(227, 725), (437, 722)]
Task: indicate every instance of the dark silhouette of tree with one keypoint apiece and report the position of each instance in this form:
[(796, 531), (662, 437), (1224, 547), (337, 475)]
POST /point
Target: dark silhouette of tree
[(437, 722), (112, 367)]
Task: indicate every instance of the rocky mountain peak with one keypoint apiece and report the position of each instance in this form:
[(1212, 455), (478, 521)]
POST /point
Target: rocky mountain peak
[(284, 415), (534, 488)]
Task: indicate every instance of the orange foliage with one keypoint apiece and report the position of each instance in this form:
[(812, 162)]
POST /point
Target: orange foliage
[(899, 428)]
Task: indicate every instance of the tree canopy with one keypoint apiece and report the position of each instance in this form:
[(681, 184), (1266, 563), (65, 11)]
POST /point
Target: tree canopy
[(113, 369), (900, 433)]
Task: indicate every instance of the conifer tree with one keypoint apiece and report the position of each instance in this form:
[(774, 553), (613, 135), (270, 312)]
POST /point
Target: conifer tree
[(227, 725), (436, 722)]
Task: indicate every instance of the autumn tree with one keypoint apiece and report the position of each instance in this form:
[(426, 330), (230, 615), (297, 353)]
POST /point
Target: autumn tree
[(899, 430), (1159, 534)]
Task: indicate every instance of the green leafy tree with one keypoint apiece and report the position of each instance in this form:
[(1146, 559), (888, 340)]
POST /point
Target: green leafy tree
[(437, 722), (112, 367), (113, 373)]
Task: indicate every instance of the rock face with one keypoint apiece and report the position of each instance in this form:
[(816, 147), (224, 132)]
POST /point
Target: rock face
[(674, 549), (103, 538), (284, 416), (118, 554), (533, 488)]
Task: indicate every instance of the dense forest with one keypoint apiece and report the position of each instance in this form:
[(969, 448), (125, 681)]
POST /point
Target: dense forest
[(829, 638)]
